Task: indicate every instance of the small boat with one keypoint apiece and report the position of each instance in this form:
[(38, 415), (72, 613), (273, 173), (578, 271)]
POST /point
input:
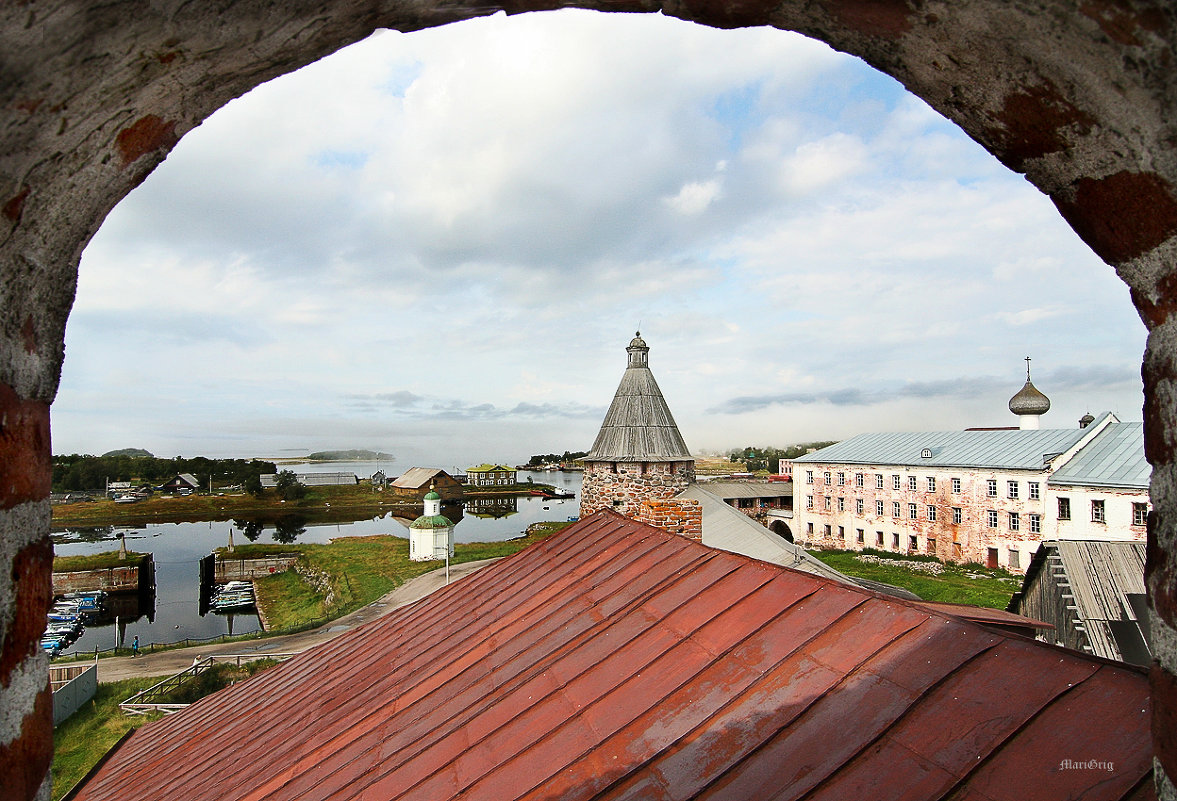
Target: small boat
[(232, 605)]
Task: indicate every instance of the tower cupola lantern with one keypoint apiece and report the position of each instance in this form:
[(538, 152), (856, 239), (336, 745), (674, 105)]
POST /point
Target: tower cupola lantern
[(639, 351)]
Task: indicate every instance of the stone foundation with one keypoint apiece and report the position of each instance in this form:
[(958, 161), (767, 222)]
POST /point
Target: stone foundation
[(622, 486)]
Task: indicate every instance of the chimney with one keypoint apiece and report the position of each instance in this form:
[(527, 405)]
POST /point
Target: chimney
[(681, 516)]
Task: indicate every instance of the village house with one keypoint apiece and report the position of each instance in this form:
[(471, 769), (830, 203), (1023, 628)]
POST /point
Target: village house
[(491, 475), (182, 482), (270, 480), (416, 482)]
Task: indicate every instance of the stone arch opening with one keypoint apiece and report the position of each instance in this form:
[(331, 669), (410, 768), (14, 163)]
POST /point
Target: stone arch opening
[(1078, 99), (781, 529)]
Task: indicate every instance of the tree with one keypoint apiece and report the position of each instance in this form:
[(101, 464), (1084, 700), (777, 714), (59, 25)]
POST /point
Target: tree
[(288, 487), (253, 485)]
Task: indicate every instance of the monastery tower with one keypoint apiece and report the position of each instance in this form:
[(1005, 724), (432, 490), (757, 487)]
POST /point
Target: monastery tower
[(639, 453)]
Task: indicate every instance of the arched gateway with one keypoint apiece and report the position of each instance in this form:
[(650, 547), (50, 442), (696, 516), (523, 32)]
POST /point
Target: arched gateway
[(1080, 97)]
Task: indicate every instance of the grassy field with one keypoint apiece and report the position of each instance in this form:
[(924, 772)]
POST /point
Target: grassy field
[(354, 571), (321, 505), (80, 741), (957, 584), (96, 561)]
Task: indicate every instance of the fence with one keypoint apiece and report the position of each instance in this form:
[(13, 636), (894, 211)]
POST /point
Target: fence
[(72, 687), (142, 702), (150, 648)]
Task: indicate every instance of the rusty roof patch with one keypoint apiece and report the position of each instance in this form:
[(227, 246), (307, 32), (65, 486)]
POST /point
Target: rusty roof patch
[(614, 660)]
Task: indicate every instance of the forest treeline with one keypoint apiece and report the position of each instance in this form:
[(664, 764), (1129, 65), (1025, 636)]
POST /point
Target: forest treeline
[(82, 472), (556, 458), (760, 459)]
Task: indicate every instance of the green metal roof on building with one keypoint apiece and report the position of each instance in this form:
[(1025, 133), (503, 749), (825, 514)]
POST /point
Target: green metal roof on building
[(1009, 449), (1115, 458), (431, 521), (490, 468)]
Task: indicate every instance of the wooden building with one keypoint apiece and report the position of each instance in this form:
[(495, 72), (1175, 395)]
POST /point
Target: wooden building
[(491, 475), (1092, 592), (415, 482)]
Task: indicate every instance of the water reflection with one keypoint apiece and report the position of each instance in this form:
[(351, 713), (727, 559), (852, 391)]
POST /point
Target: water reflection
[(494, 508), (179, 547)]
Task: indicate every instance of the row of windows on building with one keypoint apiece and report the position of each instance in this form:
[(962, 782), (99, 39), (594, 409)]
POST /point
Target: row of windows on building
[(1012, 488), (913, 544), (1014, 520)]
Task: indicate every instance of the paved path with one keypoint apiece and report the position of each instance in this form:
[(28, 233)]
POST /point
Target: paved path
[(166, 663)]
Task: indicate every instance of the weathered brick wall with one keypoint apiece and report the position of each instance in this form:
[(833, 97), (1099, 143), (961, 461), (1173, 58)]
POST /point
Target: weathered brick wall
[(111, 579), (621, 486), (230, 569), (836, 490), (681, 516), (94, 96)]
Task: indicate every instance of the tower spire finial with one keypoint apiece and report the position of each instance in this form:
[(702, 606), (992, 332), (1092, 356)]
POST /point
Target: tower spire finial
[(1027, 368)]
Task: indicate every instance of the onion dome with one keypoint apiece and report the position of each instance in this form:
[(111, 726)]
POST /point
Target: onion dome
[(1086, 420), (1029, 400), (432, 496)]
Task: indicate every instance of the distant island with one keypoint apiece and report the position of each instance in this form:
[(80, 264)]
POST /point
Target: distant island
[(136, 453), (349, 456)]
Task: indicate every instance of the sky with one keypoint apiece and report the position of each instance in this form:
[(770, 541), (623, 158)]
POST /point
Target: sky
[(438, 245)]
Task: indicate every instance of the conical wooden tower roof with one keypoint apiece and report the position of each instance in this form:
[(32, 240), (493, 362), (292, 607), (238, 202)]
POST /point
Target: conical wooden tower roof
[(638, 426)]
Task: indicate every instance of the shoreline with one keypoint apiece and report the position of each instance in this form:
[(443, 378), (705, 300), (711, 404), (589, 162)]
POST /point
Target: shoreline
[(322, 505)]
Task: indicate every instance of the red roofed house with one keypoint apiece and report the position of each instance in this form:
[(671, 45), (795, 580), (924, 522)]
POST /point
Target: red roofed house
[(616, 660)]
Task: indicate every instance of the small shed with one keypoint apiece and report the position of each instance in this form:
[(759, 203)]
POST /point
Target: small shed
[(1092, 592), (417, 481)]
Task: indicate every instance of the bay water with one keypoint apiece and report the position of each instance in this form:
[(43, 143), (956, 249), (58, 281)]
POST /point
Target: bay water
[(177, 549)]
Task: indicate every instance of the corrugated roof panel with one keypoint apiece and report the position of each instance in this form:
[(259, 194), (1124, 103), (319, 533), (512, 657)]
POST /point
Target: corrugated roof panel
[(1056, 745), (1011, 450), (614, 660), (1115, 458)]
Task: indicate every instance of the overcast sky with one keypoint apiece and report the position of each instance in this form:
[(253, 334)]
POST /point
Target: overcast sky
[(439, 244)]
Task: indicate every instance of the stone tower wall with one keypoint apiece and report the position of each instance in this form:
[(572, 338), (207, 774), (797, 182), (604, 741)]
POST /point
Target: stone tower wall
[(622, 486)]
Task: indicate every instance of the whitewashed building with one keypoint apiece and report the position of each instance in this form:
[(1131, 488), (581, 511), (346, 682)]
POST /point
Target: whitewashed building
[(987, 496), (431, 536)]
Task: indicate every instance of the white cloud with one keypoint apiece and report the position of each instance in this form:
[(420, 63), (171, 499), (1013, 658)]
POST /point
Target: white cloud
[(448, 237), (695, 197)]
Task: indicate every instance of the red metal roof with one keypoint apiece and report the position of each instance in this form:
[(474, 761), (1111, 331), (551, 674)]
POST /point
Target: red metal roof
[(617, 661)]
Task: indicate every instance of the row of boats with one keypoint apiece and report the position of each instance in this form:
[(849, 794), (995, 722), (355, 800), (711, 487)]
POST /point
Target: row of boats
[(68, 617), (232, 596)]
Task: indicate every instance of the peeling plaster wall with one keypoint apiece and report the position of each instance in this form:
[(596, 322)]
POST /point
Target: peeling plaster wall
[(838, 492), (1080, 97)]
